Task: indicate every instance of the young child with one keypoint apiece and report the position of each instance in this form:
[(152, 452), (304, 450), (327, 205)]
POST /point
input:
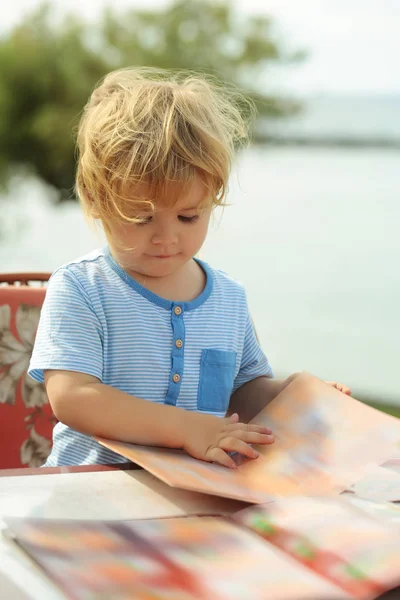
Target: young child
[(140, 341)]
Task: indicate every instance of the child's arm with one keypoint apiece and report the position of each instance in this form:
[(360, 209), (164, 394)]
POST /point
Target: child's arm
[(85, 404), (253, 396)]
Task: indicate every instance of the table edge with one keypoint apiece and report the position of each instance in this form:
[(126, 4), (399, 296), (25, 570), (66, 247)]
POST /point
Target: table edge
[(22, 472)]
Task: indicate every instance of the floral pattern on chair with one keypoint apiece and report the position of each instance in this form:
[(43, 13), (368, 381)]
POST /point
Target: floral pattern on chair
[(25, 413)]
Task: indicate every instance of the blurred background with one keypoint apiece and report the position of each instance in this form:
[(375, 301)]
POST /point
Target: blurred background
[(313, 226)]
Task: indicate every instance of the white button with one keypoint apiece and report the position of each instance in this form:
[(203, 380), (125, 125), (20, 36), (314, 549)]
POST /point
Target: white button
[(177, 310), (176, 378), (178, 343)]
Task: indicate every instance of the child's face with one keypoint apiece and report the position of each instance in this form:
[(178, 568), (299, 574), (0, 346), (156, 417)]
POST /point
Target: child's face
[(167, 240)]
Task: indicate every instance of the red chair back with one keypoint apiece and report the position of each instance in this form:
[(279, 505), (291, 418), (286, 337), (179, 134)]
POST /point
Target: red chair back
[(26, 418)]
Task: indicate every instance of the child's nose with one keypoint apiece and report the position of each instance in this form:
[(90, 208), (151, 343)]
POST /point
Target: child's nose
[(165, 235)]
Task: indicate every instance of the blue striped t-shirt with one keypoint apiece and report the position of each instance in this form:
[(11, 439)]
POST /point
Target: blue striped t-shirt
[(96, 319)]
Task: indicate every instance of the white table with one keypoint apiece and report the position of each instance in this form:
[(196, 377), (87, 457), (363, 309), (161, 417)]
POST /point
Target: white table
[(91, 494)]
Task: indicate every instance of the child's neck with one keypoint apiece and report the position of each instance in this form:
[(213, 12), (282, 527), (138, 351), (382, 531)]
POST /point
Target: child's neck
[(184, 285)]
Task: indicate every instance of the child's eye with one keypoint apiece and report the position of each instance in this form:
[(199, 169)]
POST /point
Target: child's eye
[(188, 219)]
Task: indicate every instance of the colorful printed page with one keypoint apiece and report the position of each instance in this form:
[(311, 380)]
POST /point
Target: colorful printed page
[(170, 559), (379, 484), (393, 464), (325, 440), (177, 469), (386, 512), (355, 549), (295, 548)]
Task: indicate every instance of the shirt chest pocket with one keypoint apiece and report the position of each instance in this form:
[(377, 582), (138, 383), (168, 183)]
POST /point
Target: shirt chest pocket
[(217, 374)]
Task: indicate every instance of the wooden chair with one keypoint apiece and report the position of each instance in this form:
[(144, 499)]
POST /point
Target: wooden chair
[(26, 418)]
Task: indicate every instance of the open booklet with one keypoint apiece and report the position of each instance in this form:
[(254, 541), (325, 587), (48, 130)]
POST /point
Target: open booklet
[(380, 484), (325, 442), (296, 548)]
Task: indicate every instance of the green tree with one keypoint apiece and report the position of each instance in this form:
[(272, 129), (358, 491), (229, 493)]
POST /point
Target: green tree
[(48, 68)]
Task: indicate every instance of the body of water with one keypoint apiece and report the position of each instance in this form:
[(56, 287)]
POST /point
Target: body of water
[(314, 236), (359, 119)]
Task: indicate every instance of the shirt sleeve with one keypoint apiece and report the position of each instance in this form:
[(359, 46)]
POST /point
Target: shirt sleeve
[(69, 335), (254, 362)]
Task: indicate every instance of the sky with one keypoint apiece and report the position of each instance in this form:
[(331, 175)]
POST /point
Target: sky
[(353, 45)]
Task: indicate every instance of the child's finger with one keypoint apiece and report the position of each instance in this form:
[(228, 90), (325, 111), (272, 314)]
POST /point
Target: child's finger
[(258, 428), (233, 444), (252, 437), (233, 419), (247, 427), (217, 455), (332, 383), (339, 386)]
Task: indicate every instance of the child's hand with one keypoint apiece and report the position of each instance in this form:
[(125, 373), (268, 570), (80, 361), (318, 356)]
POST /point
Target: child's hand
[(340, 387), (210, 438)]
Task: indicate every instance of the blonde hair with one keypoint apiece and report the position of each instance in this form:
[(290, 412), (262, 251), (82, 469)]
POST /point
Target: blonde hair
[(156, 127)]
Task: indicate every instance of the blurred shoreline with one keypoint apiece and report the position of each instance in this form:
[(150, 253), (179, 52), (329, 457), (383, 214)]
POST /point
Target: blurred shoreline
[(341, 142), (362, 121)]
